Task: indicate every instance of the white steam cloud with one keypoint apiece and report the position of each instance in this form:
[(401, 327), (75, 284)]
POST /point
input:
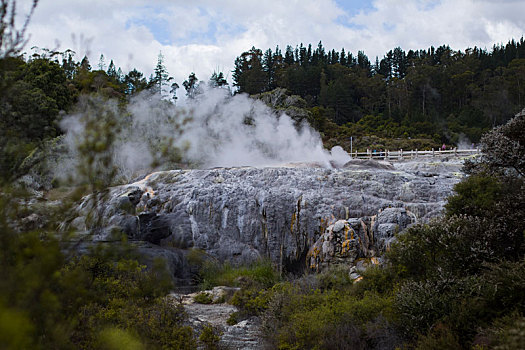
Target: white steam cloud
[(214, 130), (237, 131)]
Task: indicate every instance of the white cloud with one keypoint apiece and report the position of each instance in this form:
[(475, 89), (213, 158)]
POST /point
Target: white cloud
[(209, 34)]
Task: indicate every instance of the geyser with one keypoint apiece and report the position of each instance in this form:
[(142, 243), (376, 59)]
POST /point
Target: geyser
[(213, 130)]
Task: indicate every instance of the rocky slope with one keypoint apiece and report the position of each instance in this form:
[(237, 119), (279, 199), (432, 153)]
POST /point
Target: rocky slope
[(241, 214)]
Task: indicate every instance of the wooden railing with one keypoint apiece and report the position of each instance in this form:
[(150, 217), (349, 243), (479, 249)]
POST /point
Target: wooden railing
[(401, 155)]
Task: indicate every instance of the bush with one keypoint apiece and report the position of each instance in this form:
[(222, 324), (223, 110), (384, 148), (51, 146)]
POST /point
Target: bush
[(251, 301), (261, 273), (233, 318), (506, 333), (210, 337), (329, 319), (456, 245), (85, 300), (203, 298), (377, 279), (334, 277), (498, 200), (477, 195), (439, 338), (462, 304)]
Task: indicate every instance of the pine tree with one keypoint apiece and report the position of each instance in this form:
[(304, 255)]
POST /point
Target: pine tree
[(101, 63), (135, 82), (173, 91), (217, 80), (84, 64), (342, 58), (112, 73), (119, 75), (191, 86), (161, 77), (69, 65)]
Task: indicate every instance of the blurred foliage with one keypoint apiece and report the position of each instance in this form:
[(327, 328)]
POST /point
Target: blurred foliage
[(58, 293), (52, 297)]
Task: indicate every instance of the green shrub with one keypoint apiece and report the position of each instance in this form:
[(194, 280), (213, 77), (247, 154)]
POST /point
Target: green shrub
[(233, 318), (457, 245), (506, 333), (261, 273), (115, 339), (251, 301), (84, 301), (377, 279), (203, 298), (329, 319), (438, 339), (462, 304), (334, 277), (477, 195), (210, 337)]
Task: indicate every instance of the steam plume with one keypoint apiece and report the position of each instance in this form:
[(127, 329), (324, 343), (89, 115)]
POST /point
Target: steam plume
[(214, 130)]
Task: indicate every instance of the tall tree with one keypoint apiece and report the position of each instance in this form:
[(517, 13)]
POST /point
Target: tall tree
[(249, 74), (102, 62), (191, 86), (217, 80), (135, 82), (161, 77), (112, 73), (68, 63), (173, 91), (84, 64)]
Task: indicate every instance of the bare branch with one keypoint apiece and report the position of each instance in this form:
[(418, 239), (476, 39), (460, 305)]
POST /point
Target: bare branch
[(12, 40)]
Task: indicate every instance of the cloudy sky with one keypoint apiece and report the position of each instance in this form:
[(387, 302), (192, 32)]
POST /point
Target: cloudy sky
[(207, 35)]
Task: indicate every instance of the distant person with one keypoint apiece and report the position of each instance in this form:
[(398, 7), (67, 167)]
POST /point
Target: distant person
[(443, 147)]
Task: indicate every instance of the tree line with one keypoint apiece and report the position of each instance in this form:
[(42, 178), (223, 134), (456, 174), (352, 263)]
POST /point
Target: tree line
[(415, 99), (430, 93)]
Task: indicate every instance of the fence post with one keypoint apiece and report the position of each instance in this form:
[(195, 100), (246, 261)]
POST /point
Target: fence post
[(456, 151), (416, 153), (401, 153), (432, 152)]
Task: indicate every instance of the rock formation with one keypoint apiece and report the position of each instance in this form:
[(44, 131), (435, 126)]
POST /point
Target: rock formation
[(282, 213)]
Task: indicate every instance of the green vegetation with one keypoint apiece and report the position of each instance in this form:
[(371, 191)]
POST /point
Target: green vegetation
[(53, 298), (422, 98), (210, 337), (214, 274), (331, 319), (455, 283), (203, 298)]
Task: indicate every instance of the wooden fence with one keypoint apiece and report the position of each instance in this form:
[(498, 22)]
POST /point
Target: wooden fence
[(413, 154)]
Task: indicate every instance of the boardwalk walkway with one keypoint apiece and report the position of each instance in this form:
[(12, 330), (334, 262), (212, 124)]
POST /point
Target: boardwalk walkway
[(413, 154)]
